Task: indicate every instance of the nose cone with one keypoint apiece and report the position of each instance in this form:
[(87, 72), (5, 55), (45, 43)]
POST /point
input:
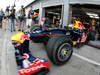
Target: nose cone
[(17, 37)]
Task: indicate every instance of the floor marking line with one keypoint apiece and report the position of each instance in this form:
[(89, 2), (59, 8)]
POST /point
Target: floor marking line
[(86, 59)]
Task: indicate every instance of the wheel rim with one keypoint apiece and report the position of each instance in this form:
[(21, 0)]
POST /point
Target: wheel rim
[(64, 52)]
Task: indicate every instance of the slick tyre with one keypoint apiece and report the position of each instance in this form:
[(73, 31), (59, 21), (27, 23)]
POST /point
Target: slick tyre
[(59, 49)]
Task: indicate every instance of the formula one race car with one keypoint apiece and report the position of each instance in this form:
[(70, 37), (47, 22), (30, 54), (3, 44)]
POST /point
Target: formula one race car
[(58, 42)]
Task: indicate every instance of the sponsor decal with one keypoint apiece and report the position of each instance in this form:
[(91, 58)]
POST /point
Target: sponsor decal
[(24, 37), (28, 70)]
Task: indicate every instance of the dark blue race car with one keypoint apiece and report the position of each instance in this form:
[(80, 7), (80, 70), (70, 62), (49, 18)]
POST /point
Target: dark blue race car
[(58, 42)]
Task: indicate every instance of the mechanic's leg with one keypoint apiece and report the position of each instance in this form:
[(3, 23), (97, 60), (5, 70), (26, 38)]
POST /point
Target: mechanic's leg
[(19, 25), (22, 25), (12, 27), (9, 25), (13, 24), (0, 24)]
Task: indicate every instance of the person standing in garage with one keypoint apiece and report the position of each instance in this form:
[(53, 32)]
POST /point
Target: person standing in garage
[(12, 19), (22, 18), (78, 24), (1, 17), (92, 32), (29, 17)]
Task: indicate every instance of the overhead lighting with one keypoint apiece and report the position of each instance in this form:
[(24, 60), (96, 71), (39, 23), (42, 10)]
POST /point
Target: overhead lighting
[(97, 17), (53, 13), (92, 15)]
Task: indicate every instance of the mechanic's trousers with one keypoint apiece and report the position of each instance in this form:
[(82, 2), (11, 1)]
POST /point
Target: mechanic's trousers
[(12, 25)]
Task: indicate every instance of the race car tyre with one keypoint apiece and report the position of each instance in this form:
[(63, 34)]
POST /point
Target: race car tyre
[(59, 49)]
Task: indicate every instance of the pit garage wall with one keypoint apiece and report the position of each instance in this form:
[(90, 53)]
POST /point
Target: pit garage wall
[(97, 2), (67, 12), (41, 4), (46, 3)]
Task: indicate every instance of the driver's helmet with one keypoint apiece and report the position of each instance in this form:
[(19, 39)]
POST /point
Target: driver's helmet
[(36, 29)]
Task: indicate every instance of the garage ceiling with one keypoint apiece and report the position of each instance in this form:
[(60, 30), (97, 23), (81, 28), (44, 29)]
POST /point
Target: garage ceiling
[(81, 10)]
